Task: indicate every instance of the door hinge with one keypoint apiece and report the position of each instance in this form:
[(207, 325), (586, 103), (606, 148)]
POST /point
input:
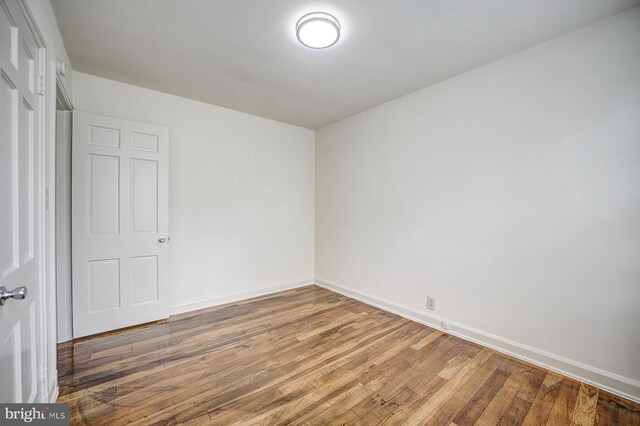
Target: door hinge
[(46, 199), (42, 84)]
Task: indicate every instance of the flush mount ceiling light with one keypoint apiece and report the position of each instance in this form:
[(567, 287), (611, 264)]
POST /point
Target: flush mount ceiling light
[(318, 30)]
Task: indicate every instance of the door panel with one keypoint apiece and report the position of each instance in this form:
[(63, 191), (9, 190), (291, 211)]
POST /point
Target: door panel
[(104, 204), (144, 188), (8, 178), (144, 142), (120, 210), (104, 136), (19, 212), (104, 285), (145, 279), (26, 187)]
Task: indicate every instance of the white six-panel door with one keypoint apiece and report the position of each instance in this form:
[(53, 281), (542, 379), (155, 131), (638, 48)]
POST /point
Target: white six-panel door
[(120, 221), (20, 212)]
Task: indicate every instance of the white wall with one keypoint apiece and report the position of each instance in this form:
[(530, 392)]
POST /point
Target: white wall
[(241, 192), (510, 193)]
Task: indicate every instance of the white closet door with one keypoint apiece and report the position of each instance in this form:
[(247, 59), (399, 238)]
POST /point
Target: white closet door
[(20, 211), (120, 223)]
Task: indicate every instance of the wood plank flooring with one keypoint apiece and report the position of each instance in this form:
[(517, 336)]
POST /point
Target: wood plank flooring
[(311, 356)]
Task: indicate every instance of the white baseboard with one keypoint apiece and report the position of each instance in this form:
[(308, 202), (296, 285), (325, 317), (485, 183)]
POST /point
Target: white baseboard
[(606, 380), (202, 304)]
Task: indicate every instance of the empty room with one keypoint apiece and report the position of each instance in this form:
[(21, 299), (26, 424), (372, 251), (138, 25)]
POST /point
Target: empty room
[(336, 212)]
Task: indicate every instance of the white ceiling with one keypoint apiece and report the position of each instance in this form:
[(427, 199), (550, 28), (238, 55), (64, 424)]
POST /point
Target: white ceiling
[(243, 54)]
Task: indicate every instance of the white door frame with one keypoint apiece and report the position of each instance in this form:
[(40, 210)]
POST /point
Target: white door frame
[(56, 92), (62, 208), (43, 394), (54, 84)]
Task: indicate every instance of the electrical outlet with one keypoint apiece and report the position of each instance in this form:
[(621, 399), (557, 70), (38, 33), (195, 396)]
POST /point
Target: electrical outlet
[(445, 324), (431, 303)]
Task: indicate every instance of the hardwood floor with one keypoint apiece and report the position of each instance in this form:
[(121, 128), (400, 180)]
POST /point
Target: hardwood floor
[(311, 356)]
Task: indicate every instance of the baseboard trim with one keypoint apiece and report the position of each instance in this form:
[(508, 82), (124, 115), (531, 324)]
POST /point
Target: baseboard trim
[(202, 304), (610, 382)]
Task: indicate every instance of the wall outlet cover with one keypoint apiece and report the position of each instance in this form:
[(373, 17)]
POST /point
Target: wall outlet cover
[(431, 303)]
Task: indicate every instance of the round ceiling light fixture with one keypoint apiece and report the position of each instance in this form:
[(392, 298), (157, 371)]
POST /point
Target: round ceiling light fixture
[(318, 30)]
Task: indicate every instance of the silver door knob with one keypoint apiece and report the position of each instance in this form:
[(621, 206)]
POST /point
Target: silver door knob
[(163, 239), (19, 294)]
